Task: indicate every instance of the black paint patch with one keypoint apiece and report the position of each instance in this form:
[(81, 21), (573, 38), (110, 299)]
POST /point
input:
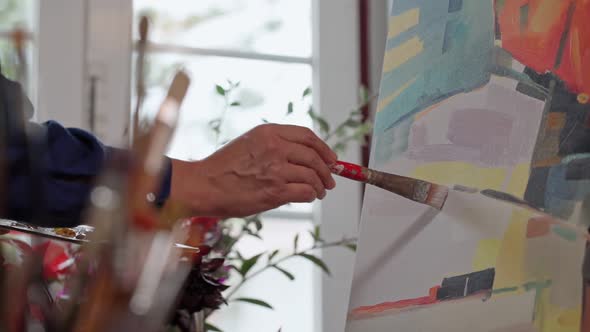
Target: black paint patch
[(578, 169), (466, 285), (504, 197), (455, 5)]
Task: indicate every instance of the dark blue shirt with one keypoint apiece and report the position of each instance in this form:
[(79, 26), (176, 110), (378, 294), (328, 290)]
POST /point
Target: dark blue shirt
[(51, 185)]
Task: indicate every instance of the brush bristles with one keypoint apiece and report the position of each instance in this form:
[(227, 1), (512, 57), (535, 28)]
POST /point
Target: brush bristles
[(437, 196)]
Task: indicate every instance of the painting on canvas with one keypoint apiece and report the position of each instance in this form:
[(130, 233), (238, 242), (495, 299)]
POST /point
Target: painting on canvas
[(491, 98)]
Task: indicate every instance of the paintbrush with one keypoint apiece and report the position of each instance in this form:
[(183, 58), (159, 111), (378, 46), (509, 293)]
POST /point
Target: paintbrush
[(144, 27), (150, 148), (433, 194), (416, 190)]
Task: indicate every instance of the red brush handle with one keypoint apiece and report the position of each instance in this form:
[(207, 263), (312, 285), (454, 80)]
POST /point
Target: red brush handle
[(350, 171)]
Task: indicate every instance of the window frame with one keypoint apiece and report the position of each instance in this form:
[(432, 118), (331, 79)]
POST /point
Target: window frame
[(72, 51)]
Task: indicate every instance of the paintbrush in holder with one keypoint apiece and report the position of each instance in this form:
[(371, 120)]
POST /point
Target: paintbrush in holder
[(142, 255), (140, 88)]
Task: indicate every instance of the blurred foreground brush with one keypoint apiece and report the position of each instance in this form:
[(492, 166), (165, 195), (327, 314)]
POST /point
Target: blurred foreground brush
[(141, 260)]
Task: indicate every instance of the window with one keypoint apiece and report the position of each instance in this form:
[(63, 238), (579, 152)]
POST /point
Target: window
[(263, 48), (16, 14), (78, 40)]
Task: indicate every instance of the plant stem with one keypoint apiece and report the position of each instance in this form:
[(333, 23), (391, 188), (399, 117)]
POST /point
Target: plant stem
[(282, 260)]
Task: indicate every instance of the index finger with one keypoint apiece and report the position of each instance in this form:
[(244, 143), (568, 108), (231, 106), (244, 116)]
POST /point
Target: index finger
[(308, 138)]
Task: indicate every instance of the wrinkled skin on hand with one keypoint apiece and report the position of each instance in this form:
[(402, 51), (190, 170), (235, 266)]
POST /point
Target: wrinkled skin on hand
[(267, 167)]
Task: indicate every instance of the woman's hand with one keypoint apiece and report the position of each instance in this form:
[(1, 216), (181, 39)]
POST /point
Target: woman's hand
[(267, 167)]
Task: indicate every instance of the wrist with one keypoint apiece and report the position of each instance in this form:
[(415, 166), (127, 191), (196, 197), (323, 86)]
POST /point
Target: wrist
[(189, 183)]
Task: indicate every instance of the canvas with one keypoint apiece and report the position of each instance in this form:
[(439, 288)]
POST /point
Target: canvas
[(490, 98)]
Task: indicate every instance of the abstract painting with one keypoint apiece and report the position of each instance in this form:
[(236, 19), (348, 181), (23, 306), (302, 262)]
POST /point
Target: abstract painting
[(492, 99)]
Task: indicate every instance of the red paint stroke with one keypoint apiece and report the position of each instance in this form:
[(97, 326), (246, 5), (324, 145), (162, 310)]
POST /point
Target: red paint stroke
[(550, 36), (538, 227), (348, 170), (402, 304)]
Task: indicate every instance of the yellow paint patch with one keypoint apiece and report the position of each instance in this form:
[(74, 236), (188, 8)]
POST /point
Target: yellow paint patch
[(510, 263), (550, 318), (547, 11), (486, 254), (403, 22), (450, 173), (387, 100), (569, 318), (399, 55), (518, 180)]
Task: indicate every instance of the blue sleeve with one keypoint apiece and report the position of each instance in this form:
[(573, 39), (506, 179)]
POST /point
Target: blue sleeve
[(54, 193)]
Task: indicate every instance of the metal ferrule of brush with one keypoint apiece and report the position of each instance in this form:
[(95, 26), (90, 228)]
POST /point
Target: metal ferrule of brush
[(413, 189)]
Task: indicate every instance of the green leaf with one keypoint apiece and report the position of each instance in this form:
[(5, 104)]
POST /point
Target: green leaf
[(317, 262), (364, 95), (340, 147), (290, 108), (273, 255), (306, 92), (340, 132), (235, 104), (296, 242), (363, 131), (249, 264), (220, 90), (351, 247), (321, 122), (209, 327), (265, 120), (255, 302), (315, 234), (251, 233), (324, 125), (352, 123), (287, 274), (258, 224)]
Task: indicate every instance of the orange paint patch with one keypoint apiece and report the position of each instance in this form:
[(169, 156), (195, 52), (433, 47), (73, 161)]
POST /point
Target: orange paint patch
[(547, 162), (403, 304), (538, 227), (555, 121)]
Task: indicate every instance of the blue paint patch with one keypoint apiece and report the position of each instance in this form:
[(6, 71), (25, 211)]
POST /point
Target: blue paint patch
[(446, 66), (561, 193), (391, 142), (455, 31)]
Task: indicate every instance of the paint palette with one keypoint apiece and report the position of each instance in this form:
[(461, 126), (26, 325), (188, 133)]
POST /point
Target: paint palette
[(78, 235)]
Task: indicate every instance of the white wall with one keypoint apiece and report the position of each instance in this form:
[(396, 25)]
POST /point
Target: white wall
[(336, 82), (109, 60), (61, 39), (337, 61), (77, 39)]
